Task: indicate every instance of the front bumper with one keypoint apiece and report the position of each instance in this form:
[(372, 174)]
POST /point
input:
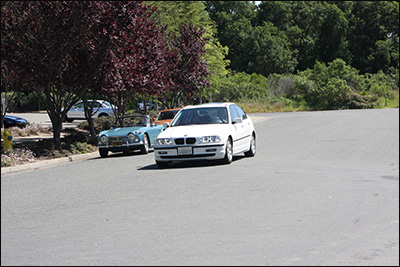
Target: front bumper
[(204, 152), (125, 146)]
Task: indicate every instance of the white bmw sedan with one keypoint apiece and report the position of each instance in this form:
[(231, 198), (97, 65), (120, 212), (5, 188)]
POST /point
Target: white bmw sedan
[(214, 131)]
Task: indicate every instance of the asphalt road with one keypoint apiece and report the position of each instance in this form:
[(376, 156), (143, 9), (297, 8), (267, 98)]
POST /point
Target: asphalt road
[(323, 189), (41, 118)]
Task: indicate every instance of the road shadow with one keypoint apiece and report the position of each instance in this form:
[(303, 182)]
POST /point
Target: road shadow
[(190, 164), (122, 154)]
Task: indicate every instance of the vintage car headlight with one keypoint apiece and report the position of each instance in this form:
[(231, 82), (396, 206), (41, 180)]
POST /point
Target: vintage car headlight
[(133, 138), (104, 139), (209, 139), (163, 142)]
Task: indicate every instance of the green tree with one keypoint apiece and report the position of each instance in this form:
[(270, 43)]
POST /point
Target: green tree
[(331, 40), (270, 51), (371, 22), (175, 13)]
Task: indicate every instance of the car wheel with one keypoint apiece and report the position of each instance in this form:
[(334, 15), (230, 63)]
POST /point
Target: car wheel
[(145, 147), (162, 164), (103, 152), (69, 120), (102, 115), (228, 152), (252, 150)]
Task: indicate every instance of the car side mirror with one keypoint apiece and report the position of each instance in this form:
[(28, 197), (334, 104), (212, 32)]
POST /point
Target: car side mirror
[(237, 120), (154, 119), (165, 124)]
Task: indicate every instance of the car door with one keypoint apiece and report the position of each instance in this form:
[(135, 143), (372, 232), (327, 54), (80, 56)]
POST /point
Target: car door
[(239, 134), (246, 127), (77, 111), (97, 108)]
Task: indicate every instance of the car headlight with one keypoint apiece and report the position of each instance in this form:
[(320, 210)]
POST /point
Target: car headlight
[(104, 139), (133, 138), (209, 139), (163, 141)]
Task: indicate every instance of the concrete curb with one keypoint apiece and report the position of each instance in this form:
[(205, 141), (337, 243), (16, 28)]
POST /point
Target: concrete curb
[(47, 163)]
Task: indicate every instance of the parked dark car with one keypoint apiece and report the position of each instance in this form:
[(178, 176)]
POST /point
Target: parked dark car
[(14, 121)]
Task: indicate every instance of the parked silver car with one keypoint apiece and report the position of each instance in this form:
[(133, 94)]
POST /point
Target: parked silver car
[(101, 108)]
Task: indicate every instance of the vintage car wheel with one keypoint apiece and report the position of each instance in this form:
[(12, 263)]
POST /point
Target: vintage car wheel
[(228, 152), (162, 164), (145, 147), (103, 152), (252, 150)]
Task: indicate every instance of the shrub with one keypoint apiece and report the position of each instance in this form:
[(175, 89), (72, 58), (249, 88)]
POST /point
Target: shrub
[(81, 148), (11, 157), (359, 101), (30, 129)]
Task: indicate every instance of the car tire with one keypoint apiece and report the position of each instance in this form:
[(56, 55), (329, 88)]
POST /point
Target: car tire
[(162, 164), (103, 152), (228, 152), (102, 115), (252, 150), (69, 120), (144, 149)]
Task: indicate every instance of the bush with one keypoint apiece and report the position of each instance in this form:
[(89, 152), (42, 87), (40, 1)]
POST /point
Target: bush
[(100, 124), (30, 129), (28, 101), (359, 101), (11, 157)]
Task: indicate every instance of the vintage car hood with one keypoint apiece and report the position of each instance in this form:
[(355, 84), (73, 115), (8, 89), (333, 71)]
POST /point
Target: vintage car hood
[(195, 130), (121, 131)]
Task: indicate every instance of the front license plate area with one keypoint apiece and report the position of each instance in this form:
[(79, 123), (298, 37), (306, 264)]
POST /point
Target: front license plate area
[(117, 143), (183, 151)]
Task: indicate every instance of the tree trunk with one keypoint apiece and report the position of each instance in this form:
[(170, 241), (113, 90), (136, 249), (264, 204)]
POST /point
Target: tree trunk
[(56, 119), (57, 127), (93, 137), (89, 118)]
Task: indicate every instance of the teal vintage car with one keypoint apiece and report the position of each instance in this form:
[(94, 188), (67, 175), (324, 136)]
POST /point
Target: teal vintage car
[(131, 133)]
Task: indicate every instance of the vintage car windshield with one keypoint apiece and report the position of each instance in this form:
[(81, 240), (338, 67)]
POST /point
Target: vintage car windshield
[(129, 121), (217, 115)]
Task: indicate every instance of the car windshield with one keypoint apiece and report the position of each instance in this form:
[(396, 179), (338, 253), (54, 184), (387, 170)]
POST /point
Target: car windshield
[(218, 115), (129, 121), (167, 115)]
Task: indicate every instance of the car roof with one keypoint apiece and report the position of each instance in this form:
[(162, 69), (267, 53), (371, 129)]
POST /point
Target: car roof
[(209, 105)]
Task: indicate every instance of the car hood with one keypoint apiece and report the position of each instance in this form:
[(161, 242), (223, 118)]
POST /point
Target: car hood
[(121, 131), (160, 122), (195, 130)]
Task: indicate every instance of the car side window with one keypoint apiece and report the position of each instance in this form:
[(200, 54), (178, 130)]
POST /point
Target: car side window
[(79, 105), (233, 112), (97, 105), (240, 112)]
